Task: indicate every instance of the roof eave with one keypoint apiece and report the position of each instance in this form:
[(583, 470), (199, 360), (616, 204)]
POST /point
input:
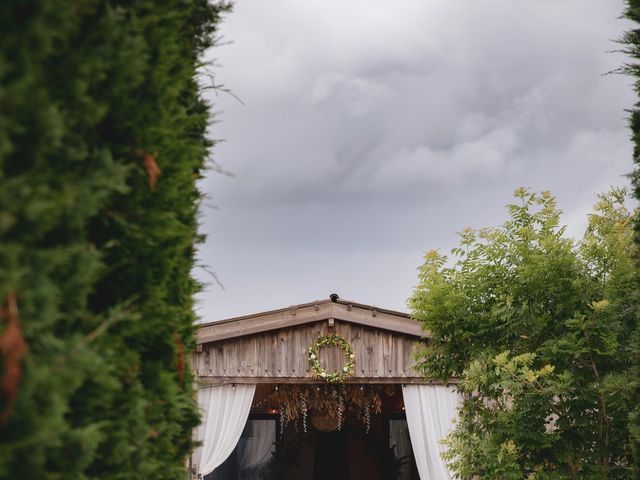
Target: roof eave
[(307, 313)]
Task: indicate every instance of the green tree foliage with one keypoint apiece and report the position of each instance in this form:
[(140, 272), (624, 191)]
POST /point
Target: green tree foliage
[(631, 40), (537, 326), (102, 138)]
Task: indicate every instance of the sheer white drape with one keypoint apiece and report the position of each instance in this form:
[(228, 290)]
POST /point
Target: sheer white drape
[(255, 451), (224, 411), (430, 411)]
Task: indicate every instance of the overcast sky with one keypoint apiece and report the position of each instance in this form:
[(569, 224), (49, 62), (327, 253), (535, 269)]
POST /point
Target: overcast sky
[(373, 131)]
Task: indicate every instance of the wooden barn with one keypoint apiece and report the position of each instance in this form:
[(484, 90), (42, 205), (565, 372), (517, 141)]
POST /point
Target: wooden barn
[(321, 390)]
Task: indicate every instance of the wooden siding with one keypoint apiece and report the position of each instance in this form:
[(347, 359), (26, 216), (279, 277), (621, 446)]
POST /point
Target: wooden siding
[(281, 356)]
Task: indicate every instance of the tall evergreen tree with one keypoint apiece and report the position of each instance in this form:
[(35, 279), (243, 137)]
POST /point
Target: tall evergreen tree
[(102, 138), (631, 40)]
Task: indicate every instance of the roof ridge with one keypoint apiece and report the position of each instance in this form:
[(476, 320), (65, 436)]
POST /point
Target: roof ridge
[(303, 305)]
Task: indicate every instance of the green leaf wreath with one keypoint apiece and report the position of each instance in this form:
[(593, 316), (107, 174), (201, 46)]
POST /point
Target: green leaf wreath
[(335, 341)]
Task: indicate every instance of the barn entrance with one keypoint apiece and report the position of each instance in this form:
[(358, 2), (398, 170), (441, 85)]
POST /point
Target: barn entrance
[(336, 439)]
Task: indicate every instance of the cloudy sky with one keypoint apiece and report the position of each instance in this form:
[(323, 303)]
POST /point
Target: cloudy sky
[(373, 131)]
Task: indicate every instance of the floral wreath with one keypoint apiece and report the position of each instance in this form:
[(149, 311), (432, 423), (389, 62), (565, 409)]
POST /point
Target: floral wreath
[(336, 341)]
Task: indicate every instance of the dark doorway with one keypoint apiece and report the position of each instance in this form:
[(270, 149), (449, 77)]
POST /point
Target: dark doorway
[(268, 450), (332, 459)]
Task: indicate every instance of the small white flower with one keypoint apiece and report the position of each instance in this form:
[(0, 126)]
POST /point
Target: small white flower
[(312, 356), (353, 355), (346, 369), (323, 374)]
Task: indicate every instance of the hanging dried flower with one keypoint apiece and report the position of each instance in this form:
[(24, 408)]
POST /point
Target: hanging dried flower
[(303, 408), (367, 418), (283, 418)]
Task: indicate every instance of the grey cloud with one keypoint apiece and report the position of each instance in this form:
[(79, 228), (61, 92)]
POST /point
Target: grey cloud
[(371, 134)]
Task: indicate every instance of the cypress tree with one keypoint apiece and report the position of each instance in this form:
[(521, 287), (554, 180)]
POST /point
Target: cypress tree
[(631, 40), (102, 138)]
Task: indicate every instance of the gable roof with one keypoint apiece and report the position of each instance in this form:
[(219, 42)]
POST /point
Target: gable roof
[(334, 308)]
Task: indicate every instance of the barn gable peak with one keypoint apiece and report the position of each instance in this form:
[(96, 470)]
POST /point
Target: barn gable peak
[(333, 308)]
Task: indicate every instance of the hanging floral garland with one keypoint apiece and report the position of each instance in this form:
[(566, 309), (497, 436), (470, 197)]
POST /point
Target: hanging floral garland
[(300, 402), (336, 341)]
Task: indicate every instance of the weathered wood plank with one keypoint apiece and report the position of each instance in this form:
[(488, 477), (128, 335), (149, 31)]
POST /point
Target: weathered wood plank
[(284, 353)]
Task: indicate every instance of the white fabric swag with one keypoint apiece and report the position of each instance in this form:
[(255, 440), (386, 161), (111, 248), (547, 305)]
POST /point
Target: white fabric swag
[(430, 410), (224, 410)]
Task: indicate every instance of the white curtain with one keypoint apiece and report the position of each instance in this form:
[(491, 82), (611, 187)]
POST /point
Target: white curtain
[(255, 451), (430, 410), (224, 410)]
